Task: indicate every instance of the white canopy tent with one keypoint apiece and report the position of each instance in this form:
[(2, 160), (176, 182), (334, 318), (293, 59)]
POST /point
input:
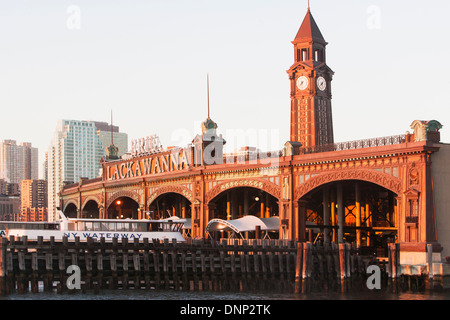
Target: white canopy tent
[(246, 223), (186, 221)]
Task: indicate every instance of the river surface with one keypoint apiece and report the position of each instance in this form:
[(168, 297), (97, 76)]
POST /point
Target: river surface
[(124, 304), (158, 295)]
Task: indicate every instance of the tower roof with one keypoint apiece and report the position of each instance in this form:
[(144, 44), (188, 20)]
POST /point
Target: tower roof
[(309, 30)]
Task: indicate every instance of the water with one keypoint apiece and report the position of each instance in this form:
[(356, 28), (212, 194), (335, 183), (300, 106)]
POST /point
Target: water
[(114, 304), (164, 295)]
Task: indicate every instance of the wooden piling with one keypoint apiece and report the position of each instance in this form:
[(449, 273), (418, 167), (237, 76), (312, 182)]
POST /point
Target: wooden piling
[(341, 260), (3, 265), (195, 265), (298, 267)]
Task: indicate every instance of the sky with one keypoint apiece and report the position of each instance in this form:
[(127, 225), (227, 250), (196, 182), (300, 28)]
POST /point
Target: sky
[(148, 61)]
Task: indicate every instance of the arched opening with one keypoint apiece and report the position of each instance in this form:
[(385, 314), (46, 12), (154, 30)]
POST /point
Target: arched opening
[(239, 202), (169, 205), (123, 208), (352, 211), (71, 211), (91, 210)]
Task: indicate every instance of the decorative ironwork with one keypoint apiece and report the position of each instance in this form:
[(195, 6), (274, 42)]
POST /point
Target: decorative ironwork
[(239, 157), (340, 146), (356, 144)]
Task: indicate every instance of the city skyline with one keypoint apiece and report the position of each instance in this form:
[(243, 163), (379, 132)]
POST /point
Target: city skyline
[(75, 153), (147, 62)]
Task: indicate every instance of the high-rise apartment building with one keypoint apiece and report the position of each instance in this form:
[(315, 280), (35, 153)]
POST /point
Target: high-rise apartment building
[(33, 200), (18, 162), (33, 193), (45, 167), (75, 153)]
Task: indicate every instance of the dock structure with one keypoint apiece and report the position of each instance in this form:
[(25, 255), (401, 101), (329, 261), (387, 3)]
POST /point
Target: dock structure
[(196, 265), (148, 264)]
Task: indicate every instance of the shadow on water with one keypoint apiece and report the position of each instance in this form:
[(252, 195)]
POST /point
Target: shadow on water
[(311, 289), (357, 288)]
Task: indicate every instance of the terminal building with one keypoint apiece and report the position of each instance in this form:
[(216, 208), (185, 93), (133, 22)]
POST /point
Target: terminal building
[(373, 192)]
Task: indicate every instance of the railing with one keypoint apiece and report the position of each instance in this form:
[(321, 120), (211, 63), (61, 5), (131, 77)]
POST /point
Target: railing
[(356, 144), (251, 156), (348, 145)]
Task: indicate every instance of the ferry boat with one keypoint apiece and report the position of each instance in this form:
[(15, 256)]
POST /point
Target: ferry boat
[(96, 229)]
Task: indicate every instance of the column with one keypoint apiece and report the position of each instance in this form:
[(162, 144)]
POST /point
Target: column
[(206, 217), (340, 212), (183, 207), (195, 220), (395, 213), (300, 209), (326, 214), (261, 215), (234, 204), (228, 206), (367, 216), (245, 201), (284, 220), (333, 215), (267, 214), (358, 214)]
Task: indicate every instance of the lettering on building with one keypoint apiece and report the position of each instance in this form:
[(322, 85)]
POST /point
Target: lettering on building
[(159, 163)]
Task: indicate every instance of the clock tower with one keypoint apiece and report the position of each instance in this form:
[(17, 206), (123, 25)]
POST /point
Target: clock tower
[(310, 78)]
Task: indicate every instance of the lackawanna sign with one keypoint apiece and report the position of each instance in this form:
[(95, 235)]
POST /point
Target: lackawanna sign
[(178, 159), (175, 160)]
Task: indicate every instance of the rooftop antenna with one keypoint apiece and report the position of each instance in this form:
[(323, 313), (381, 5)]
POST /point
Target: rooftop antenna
[(112, 150), (112, 142), (207, 78), (308, 5)]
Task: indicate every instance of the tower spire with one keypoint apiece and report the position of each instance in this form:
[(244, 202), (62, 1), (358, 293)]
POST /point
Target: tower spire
[(309, 30), (208, 124), (207, 81), (112, 141), (112, 150)]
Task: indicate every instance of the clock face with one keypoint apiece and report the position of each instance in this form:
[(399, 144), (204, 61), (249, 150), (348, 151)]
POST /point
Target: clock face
[(302, 83), (321, 83)]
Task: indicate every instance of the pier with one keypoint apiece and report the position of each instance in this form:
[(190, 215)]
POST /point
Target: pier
[(196, 265)]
